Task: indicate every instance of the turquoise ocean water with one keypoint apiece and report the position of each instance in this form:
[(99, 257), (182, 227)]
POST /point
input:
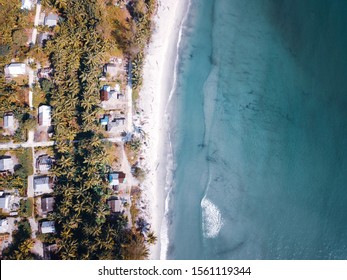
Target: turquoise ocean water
[(260, 132)]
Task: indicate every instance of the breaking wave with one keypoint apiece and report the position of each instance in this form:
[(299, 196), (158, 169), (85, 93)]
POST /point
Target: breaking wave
[(212, 220)]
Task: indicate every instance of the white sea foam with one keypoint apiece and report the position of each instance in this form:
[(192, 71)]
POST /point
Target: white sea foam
[(164, 232), (159, 65), (212, 221), (170, 164)]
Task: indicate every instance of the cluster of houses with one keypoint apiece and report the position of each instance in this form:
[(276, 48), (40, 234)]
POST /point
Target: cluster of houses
[(113, 99), (41, 184), (8, 203), (17, 69), (116, 181), (114, 103), (12, 70), (49, 20), (44, 118)]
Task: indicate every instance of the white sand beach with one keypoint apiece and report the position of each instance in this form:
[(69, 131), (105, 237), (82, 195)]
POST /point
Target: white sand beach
[(157, 83)]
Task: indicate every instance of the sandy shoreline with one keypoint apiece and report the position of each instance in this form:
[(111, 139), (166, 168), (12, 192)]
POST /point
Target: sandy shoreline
[(157, 83)]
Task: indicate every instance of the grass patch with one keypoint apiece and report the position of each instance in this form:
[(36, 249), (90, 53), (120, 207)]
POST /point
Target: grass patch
[(134, 211), (112, 153), (46, 150), (21, 80), (131, 155), (132, 149), (26, 207), (25, 159), (39, 97), (135, 95)]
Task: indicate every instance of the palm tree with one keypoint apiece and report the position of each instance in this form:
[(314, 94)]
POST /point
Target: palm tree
[(135, 144), (151, 238), (24, 249), (61, 4), (135, 250), (66, 233), (67, 249), (143, 226)]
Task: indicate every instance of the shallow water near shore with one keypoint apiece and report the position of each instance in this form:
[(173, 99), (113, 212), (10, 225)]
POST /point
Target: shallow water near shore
[(260, 132)]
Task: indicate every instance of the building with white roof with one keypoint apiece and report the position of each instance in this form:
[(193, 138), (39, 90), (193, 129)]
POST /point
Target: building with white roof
[(48, 227), (42, 18), (51, 20), (6, 163), (42, 185), (117, 88), (5, 203), (28, 4), (45, 112), (15, 69), (111, 69), (8, 120), (3, 225)]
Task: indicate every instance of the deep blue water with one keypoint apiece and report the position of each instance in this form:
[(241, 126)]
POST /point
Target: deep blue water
[(260, 137)]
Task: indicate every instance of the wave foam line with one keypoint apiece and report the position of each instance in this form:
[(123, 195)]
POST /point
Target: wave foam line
[(164, 232)]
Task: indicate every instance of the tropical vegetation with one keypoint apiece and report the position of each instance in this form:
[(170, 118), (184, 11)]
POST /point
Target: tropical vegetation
[(89, 33), (85, 228)]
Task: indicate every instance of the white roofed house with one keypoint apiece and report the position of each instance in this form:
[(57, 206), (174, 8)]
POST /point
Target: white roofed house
[(51, 20), (8, 120), (44, 163), (28, 4), (47, 227), (5, 203), (43, 185), (15, 69), (45, 112), (4, 226), (111, 69), (6, 163), (42, 18), (117, 88)]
